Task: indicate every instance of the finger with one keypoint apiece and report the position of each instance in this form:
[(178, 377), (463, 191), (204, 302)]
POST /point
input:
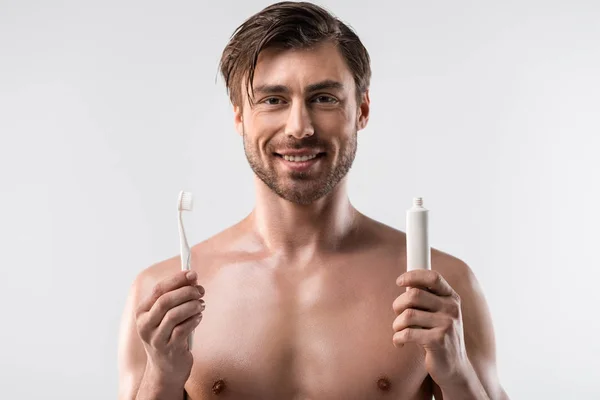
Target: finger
[(430, 338), (200, 290), (426, 279), (418, 319), (170, 300), (175, 316), (184, 329), (419, 299), (171, 283)]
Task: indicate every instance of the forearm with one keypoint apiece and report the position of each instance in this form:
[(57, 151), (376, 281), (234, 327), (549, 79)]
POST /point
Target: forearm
[(156, 387), (467, 387)]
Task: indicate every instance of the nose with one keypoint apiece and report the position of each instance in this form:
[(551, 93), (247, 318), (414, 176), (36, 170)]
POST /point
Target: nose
[(299, 123)]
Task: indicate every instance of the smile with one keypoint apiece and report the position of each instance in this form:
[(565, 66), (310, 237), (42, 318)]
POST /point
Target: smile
[(300, 163), (299, 158)]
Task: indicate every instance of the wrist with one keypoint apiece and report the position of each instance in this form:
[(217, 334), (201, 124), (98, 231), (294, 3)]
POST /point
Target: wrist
[(464, 385), (156, 385)]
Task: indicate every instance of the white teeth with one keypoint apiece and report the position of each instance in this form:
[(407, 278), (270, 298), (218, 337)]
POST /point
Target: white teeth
[(299, 158)]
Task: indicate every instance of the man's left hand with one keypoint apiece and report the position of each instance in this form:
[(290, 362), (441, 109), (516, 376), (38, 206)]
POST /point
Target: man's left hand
[(429, 314)]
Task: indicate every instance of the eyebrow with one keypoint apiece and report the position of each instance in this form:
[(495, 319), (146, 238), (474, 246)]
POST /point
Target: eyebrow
[(313, 87)]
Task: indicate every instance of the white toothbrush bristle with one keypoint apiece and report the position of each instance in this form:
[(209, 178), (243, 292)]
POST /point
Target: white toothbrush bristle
[(186, 201)]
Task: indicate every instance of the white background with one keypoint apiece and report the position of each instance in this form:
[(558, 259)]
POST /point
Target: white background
[(489, 110)]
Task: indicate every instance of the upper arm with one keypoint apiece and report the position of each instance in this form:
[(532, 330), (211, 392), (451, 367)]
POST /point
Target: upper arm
[(131, 352), (478, 329)]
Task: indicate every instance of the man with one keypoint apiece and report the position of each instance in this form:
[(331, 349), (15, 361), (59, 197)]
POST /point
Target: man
[(306, 297)]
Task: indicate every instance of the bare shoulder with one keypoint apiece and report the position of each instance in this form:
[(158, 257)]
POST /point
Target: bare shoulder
[(455, 271), (205, 255), (452, 269), (377, 237), (387, 238), (390, 243), (150, 276)]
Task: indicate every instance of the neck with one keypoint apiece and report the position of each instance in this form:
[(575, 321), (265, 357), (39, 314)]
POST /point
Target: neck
[(295, 229)]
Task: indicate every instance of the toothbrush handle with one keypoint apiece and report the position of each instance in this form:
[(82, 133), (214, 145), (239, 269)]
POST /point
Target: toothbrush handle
[(187, 266), (190, 340)]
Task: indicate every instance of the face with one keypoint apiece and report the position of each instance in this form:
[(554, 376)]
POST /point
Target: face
[(300, 133)]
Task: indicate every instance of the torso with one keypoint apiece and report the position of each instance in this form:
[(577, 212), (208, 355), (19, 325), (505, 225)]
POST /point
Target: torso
[(317, 330)]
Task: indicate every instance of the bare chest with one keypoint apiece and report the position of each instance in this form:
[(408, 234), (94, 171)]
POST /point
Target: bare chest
[(303, 336)]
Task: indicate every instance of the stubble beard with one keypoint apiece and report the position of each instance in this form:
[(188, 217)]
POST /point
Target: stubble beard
[(305, 189)]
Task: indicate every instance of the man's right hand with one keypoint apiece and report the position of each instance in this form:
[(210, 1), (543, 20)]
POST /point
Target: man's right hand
[(164, 320)]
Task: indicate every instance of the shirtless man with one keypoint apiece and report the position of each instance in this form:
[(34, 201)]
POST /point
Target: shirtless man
[(306, 297)]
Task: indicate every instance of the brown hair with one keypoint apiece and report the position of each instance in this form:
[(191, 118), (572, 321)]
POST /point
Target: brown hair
[(289, 25)]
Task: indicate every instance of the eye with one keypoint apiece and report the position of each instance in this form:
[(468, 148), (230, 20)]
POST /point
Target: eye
[(325, 99), (273, 101)]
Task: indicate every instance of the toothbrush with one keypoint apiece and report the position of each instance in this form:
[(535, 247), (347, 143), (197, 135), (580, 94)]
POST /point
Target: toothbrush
[(418, 252), (185, 203)]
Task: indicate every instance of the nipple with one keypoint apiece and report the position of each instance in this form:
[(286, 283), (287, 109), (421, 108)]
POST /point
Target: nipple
[(218, 386), (384, 384)]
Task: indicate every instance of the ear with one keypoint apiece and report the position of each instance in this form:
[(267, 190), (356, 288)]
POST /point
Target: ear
[(362, 117), (238, 119)]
